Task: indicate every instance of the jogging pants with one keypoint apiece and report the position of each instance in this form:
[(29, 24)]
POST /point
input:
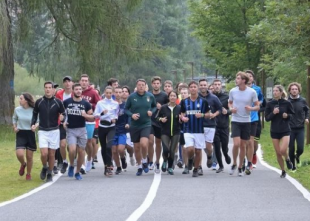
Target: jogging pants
[(221, 139), (169, 146), (297, 135), (106, 137)]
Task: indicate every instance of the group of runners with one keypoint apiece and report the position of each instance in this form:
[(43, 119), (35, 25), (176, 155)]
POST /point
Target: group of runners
[(176, 124)]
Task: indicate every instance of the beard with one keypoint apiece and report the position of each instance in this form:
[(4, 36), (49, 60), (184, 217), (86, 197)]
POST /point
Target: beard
[(76, 95)]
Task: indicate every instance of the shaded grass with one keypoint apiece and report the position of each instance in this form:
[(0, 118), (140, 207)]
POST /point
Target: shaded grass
[(269, 155)]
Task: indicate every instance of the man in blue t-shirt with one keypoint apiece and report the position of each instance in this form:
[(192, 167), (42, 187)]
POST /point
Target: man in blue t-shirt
[(194, 109), (78, 111)]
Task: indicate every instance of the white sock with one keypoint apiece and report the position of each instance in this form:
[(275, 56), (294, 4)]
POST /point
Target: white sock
[(140, 166), (144, 160)]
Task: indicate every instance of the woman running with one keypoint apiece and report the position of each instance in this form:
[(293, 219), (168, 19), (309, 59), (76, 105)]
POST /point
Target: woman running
[(25, 137), (168, 116), (278, 111)]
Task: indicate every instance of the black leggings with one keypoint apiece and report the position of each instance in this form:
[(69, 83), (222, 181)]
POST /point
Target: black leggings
[(106, 137), (221, 139), (297, 135), (169, 146)]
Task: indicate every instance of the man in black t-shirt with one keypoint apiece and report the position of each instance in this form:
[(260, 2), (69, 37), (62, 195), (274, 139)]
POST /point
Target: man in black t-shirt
[(78, 111)]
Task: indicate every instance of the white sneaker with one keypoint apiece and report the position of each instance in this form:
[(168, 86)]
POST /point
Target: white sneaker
[(157, 170), (254, 165), (151, 166), (88, 166), (132, 161), (240, 172)]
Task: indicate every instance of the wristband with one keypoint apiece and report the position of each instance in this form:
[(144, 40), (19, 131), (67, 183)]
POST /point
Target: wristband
[(102, 113)]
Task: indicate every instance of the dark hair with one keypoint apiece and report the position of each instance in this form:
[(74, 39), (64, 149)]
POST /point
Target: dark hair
[(203, 79), (76, 85), (216, 80), (250, 72), (118, 87), (168, 82), (128, 89), (173, 91), (29, 98), (141, 80), (111, 81), (49, 82), (108, 87), (192, 82), (84, 76), (156, 78)]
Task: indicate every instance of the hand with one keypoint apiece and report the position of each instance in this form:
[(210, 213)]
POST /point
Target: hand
[(105, 111), (307, 121), (284, 115), (158, 105), (276, 110), (224, 110), (199, 115), (33, 128), (127, 126), (233, 110), (248, 108), (15, 129), (163, 119), (149, 113), (185, 119), (61, 117), (211, 115), (135, 116), (65, 124)]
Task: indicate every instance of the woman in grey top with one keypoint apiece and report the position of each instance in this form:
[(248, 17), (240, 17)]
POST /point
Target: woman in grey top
[(25, 137)]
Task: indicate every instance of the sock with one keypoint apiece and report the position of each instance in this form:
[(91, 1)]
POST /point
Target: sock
[(140, 166), (49, 172), (144, 160), (55, 164), (65, 161)]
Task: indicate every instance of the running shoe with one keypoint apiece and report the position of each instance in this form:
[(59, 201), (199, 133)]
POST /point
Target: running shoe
[(190, 164), (170, 171), (118, 171), (132, 161), (289, 164), (71, 171), (200, 171), (49, 177), (43, 173), (55, 170), (93, 165), (28, 176), (145, 167), (157, 170), (253, 165), (78, 176), (195, 172), (254, 159), (95, 159), (220, 170), (82, 171), (164, 166), (108, 171), (175, 160), (214, 164), (124, 163), (247, 170), (294, 170), (233, 169), (151, 166), (64, 167), (22, 169), (185, 171), (88, 166), (180, 164), (283, 174), (298, 161), (240, 172), (209, 162), (139, 172), (228, 159)]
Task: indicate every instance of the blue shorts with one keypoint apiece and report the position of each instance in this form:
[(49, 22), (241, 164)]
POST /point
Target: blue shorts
[(90, 130), (119, 139)]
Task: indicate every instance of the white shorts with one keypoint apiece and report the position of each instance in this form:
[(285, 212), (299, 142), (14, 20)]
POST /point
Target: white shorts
[(128, 140), (209, 134), (194, 140), (49, 139)]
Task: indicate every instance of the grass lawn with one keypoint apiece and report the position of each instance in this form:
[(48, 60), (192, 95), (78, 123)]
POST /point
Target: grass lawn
[(302, 174)]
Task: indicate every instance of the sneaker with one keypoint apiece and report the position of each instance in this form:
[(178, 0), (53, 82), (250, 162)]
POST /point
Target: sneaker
[(108, 171), (289, 164), (71, 171), (294, 170), (228, 159), (88, 166), (145, 167), (185, 171), (118, 171), (247, 170), (240, 172), (151, 166), (28, 177), (49, 177), (95, 159), (139, 172), (170, 171), (298, 161), (93, 165), (180, 164), (220, 170), (190, 164), (157, 170), (78, 176), (55, 170), (43, 173), (132, 161), (195, 172), (233, 169), (214, 164), (82, 171), (22, 169), (175, 160), (209, 162), (164, 167), (254, 159), (253, 165), (64, 167), (200, 171), (124, 163), (283, 174)]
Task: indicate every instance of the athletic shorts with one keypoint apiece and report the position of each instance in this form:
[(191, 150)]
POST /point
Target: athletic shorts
[(195, 140), (77, 136), (90, 130), (242, 130), (253, 128), (182, 140), (62, 131), (156, 131), (278, 136), (137, 133), (128, 140), (49, 139), (209, 133), (119, 139), (26, 139)]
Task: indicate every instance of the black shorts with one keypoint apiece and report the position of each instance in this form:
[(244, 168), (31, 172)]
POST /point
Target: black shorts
[(253, 128), (278, 136), (26, 139), (182, 140), (242, 130), (137, 133), (63, 132), (156, 131)]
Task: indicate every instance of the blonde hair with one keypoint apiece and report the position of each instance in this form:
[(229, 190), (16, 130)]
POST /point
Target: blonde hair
[(282, 90)]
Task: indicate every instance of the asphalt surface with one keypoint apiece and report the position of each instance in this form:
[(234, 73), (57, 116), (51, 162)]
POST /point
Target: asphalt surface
[(263, 195)]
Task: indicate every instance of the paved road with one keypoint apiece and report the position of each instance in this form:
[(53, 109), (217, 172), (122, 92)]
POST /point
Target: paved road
[(260, 196)]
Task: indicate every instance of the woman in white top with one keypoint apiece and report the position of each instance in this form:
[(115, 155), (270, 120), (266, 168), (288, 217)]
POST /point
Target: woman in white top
[(25, 137)]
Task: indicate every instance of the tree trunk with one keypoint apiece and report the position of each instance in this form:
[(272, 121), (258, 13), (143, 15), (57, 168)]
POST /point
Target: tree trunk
[(6, 66)]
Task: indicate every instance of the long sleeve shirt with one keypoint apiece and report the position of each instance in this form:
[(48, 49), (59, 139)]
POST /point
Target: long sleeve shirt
[(111, 106)]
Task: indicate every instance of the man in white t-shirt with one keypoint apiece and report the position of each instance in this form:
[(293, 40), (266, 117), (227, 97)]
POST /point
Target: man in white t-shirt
[(240, 102)]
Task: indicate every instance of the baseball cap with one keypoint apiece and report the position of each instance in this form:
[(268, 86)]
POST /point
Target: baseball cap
[(67, 78)]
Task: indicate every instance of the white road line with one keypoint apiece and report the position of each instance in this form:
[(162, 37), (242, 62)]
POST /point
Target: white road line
[(298, 186), (148, 199)]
